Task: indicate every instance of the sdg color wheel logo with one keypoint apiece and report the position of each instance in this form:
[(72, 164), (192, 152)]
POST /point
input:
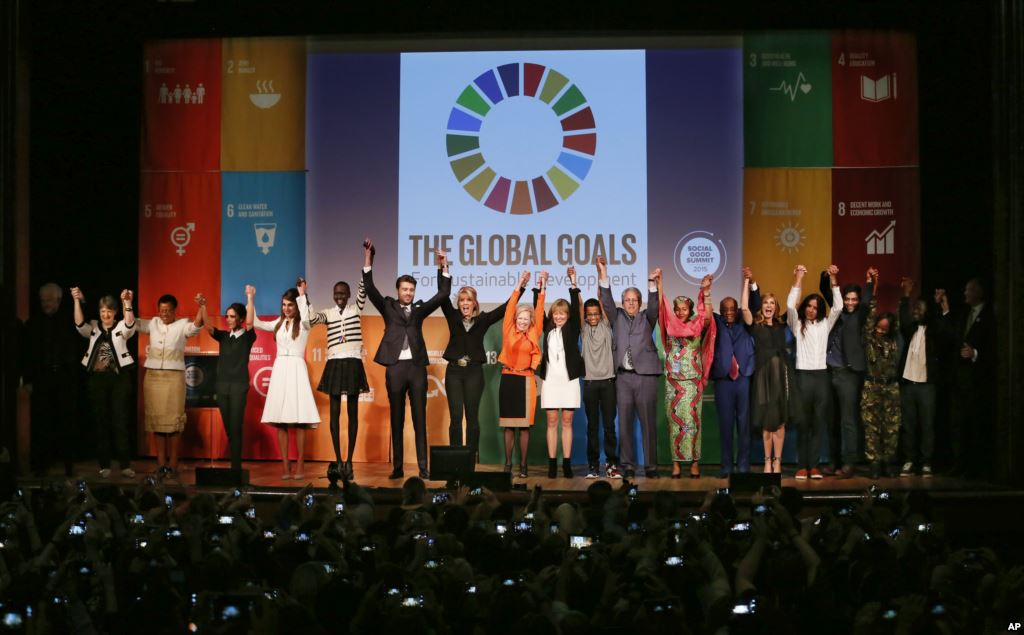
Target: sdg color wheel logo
[(521, 138)]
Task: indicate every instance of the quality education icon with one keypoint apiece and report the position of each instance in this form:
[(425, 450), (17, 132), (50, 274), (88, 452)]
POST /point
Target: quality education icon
[(552, 185)]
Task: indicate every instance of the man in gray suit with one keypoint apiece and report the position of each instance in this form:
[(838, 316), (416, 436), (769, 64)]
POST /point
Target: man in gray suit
[(637, 367)]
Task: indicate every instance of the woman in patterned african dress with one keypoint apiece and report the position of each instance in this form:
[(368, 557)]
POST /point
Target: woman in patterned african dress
[(689, 340)]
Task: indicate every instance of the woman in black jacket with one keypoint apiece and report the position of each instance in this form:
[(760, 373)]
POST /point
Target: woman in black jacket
[(561, 368), (464, 379)]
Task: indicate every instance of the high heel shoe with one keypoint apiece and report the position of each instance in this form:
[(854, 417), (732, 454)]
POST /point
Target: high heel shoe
[(523, 470), (552, 468), (695, 470), (508, 468), (347, 472)]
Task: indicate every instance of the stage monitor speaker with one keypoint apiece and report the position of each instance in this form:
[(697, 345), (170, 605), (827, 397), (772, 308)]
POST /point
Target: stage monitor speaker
[(451, 464), (221, 476), (494, 481), (753, 481)]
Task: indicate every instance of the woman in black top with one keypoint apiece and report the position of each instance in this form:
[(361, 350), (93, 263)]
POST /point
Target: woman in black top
[(773, 377), (233, 373), (464, 379)]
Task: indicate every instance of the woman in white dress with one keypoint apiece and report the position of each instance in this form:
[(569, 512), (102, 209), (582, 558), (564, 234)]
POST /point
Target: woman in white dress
[(290, 402), (561, 368)]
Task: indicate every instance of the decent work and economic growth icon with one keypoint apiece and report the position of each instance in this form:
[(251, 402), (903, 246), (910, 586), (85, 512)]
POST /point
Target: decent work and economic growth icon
[(565, 113)]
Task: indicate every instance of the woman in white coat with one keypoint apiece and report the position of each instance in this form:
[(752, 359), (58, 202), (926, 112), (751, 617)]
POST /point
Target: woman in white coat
[(290, 402)]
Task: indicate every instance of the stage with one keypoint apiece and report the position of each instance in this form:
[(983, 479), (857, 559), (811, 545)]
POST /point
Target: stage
[(265, 480)]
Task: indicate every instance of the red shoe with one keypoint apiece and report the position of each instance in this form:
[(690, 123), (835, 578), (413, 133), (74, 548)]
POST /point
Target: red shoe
[(816, 473), (801, 474)]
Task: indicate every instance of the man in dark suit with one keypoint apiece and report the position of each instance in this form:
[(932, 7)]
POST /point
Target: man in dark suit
[(974, 365), (637, 366), (731, 370), (404, 353)]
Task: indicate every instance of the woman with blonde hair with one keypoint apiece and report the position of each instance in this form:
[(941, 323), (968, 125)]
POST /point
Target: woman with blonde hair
[(561, 368), (520, 356), (773, 378), (465, 354)]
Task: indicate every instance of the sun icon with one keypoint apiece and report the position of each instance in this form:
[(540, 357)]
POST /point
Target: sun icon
[(789, 237)]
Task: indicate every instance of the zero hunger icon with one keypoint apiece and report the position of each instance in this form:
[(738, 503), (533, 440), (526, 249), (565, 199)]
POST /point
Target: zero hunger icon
[(552, 123)]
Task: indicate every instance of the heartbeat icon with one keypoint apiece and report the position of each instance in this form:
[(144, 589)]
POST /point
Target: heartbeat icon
[(800, 84)]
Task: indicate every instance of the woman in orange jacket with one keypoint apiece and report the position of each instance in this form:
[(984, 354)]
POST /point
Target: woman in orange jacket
[(520, 356)]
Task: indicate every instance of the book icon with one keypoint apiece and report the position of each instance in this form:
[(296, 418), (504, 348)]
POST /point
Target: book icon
[(876, 90)]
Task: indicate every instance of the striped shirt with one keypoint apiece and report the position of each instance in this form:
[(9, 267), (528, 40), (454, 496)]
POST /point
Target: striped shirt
[(344, 331)]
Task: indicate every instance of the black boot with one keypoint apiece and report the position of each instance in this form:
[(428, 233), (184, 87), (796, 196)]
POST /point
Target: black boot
[(347, 471), (552, 468), (566, 468)]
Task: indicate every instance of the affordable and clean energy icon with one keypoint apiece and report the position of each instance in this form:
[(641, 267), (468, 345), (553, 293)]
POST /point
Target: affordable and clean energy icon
[(181, 236), (801, 85), (265, 96), (265, 233), (789, 237)]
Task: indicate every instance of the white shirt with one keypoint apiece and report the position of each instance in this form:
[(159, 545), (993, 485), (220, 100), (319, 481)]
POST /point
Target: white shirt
[(812, 345), (286, 345), (916, 369), (166, 350)]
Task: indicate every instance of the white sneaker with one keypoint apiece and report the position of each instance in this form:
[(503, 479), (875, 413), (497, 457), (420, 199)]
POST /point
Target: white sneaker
[(613, 472), (105, 472), (926, 471), (908, 469), (128, 472)]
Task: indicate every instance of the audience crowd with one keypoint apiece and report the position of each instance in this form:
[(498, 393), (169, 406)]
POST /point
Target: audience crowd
[(144, 559)]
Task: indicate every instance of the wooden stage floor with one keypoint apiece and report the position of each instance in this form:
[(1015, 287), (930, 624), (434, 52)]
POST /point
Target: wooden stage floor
[(265, 478)]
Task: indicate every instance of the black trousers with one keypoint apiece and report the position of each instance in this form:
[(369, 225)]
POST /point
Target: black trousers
[(970, 420), (54, 397), (110, 397), (815, 405), (465, 387), (844, 439), (401, 378), (918, 403), (231, 398), (599, 403)]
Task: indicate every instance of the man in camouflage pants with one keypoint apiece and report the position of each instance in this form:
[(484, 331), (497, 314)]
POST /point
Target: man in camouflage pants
[(880, 399)]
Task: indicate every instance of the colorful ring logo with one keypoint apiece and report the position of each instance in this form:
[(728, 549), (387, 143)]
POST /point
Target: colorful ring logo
[(557, 183)]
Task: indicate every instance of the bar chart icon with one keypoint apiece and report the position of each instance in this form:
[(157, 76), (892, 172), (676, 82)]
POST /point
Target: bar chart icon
[(882, 242)]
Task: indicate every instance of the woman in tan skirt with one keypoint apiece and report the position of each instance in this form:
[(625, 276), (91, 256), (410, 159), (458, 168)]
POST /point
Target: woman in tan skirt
[(164, 385)]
